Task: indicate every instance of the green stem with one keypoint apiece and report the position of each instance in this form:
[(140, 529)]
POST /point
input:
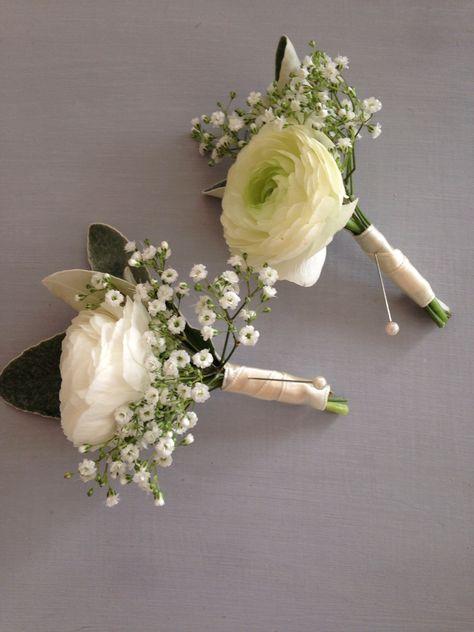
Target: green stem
[(337, 406), (356, 225)]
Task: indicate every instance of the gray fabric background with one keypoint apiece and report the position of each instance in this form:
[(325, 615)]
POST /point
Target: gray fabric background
[(277, 519)]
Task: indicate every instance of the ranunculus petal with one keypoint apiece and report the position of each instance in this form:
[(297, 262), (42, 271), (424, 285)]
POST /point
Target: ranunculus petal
[(305, 273), (102, 368)]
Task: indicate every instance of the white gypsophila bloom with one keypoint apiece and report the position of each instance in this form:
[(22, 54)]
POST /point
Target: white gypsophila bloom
[(207, 317), (148, 253), (164, 396), (160, 345), (295, 105), (330, 72), (152, 363), (102, 367), (344, 143), (122, 415), (208, 332), (248, 336), (248, 314), (169, 275), (165, 446), (87, 470), (135, 259), (236, 261), (112, 500), (176, 324), (203, 303), (142, 290), (283, 202), (152, 434), (165, 292), (183, 422), (184, 391), (142, 479), (146, 413), (179, 427), (372, 105), (269, 292), (235, 122), (342, 61), (113, 297), (181, 357), (254, 98), (200, 393), (165, 461), (150, 338), (97, 281), (156, 306), (229, 300), (130, 453), (130, 246), (203, 359), (170, 368), (188, 439), (182, 289), (117, 468), (191, 418), (217, 119), (195, 121), (152, 395), (268, 276), (376, 130), (198, 272), (307, 61), (223, 141), (230, 276)]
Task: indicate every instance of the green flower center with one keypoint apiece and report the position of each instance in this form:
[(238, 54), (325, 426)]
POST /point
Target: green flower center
[(262, 184)]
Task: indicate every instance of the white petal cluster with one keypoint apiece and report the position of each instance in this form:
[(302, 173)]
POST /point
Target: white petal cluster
[(102, 368), (284, 201)]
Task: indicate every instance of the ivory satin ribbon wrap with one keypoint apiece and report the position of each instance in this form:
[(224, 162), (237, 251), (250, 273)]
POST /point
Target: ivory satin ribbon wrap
[(396, 265), (237, 380)]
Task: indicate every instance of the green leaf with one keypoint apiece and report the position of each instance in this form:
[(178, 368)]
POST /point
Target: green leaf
[(105, 251), (68, 283), (286, 61), (195, 342), (31, 382), (217, 190)]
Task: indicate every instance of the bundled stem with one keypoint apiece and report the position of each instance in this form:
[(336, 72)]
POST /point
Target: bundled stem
[(358, 223)]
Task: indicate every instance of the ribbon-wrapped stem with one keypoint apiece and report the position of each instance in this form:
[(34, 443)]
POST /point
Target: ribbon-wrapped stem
[(397, 266), (282, 387)]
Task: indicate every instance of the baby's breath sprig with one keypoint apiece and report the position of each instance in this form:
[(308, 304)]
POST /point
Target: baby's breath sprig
[(316, 94), (183, 365)]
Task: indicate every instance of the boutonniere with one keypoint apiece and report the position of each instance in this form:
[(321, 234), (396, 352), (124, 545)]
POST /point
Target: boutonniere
[(291, 185), (127, 374)]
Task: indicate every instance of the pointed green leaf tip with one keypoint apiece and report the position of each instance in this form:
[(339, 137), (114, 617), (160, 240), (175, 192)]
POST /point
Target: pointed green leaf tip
[(280, 53), (31, 382), (286, 61), (105, 250)]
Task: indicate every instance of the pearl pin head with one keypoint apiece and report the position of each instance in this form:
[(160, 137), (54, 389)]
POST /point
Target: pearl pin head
[(319, 382), (392, 328)]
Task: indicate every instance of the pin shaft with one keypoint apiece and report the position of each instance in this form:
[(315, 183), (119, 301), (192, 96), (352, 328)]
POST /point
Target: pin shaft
[(383, 288), (276, 379)]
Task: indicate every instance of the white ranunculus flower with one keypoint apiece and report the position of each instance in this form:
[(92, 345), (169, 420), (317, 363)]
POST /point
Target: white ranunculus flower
[(102, 368), (283, 202)]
